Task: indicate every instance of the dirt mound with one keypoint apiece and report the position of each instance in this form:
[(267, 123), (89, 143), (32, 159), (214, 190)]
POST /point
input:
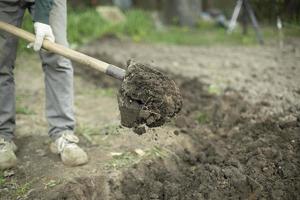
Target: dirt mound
[(229, 152), (260, 162), (148, 97), (233, 154), (80, 188)]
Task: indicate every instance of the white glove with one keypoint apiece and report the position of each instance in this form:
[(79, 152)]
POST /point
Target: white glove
[(42, 31)]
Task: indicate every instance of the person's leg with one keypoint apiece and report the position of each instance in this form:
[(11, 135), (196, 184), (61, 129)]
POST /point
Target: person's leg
[(59, 93), (12, 13), (58, 77)]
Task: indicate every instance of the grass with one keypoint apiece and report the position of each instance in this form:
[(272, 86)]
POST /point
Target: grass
[(18, 191), (214, 89), (292, 29), (21, 109), (124, 160), (139, 26), (129, 158), (87, 25), (22, 190), (157, 151), (87, 132), (51, 183), (2, 179), (90, 132), (202, 118)]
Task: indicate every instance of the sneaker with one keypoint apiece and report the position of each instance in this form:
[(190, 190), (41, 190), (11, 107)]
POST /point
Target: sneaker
[(8, 157), (71, 154)]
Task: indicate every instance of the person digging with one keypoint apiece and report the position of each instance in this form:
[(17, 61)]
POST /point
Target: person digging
[(146, 97), (50, 19)]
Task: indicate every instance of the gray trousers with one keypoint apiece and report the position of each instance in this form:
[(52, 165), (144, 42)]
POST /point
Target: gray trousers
[(57, 69)]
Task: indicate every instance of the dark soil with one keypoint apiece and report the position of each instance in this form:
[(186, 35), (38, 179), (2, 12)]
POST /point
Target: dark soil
[(148, 97), (236, 151), (234, 154)]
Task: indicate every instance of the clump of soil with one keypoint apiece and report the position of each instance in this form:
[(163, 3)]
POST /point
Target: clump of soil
[(147, 97)]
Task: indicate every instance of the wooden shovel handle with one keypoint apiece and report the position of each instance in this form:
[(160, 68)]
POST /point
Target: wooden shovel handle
[(76, 56)]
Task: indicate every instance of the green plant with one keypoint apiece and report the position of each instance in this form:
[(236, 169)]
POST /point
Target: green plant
[(122, 160), (138, 25), (26, 25), (52, 183), (24, 110), (202, 118), (21, 109), (87, 131), (22, 190), (2, 179), (85, 25), (157, 151), (214, 89)]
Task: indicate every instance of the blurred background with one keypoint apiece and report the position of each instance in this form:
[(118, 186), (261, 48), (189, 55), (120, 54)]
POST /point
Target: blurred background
[(190, 22)]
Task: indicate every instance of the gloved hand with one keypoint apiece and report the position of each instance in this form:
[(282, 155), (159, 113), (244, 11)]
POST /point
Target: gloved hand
[(42, 31)]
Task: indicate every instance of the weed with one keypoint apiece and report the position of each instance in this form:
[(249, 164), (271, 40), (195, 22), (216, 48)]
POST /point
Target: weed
[(123, 160), (129, 158), (2, 179), (51, 184), (22, 190), (24, 110), (20, 109), (27, 25), (157, 151), (202, 118), (90, 133), (213, 89), (138, 25), (87, 132)]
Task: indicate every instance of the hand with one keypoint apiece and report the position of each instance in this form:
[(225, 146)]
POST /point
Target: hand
[(42, 31)]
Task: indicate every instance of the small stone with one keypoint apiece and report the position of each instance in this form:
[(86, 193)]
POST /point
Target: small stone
[(8, 173), (140, 130), (176, 132), (183, 130), (180, 122), (139, 152), (41, 152), (265, 169), (116, 154)]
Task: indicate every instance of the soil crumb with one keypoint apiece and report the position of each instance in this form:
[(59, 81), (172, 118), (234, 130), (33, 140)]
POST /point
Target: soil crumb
[(147, 97), (140, 130)]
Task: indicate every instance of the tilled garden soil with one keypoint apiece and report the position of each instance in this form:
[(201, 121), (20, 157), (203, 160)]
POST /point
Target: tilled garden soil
[(236, 137), (230, 156), (235, 150)]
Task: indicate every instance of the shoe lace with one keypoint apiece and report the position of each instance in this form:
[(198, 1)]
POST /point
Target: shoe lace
[(3, 143), (66, 140)]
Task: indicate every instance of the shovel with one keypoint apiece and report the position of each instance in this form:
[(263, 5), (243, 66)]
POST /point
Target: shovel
[(146, 95), (76, 56)]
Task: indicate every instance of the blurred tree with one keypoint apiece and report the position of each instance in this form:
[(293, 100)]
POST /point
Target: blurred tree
[(184, 13), (148, 5), (270, 9)]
